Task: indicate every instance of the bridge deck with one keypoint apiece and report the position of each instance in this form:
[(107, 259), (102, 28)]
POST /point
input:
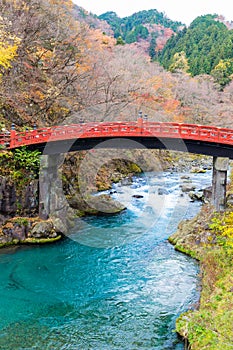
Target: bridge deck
[(141, 130)]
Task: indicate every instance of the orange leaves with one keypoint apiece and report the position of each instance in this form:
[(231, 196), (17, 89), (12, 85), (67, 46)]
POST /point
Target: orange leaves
[(26, 65), (171, 105), (100, 41), (144, 98), (37, 95), (68, 4), (178, 118)]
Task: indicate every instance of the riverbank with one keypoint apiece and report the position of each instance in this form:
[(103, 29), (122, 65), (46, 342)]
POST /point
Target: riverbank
[(25, 230), (209, 238)]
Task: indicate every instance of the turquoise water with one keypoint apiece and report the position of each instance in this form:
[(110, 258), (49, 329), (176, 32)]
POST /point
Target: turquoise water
[(82, 293)]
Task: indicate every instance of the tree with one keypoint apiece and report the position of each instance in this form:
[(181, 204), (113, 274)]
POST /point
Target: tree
[(152, 46), (50, 61), (7, 54), (120, 41), (222, 72), (179, 63), (205, 42)]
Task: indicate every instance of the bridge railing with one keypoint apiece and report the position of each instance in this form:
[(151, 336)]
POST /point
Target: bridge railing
[(5, 140), (119, 129)]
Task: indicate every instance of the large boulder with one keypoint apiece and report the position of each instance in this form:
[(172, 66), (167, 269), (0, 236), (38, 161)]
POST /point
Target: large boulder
[(28, 230)]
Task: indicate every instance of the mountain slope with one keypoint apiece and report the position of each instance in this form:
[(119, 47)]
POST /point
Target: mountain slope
[(207, 44), (151, 26)]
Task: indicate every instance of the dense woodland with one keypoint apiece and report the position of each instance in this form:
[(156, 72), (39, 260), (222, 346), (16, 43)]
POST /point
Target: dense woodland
[(206, 47), (141, 25), (59, 64)]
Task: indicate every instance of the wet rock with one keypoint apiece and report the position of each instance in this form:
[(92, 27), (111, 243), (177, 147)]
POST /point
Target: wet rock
[(162, 191), (20, 230), (127, 181), (196, 196), (15, 229), (59, 226), (14, 200), (187, 187), (198, 170), (104, 205), (137, 196), (43, 229), (185, 177), (95, 205)]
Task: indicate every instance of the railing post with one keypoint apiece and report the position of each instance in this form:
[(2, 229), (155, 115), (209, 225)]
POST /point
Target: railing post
[(219, 182), (140, 122), (12, 135)]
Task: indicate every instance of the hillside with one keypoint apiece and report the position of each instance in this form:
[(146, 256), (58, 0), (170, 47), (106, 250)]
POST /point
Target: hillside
[(205, 47), (151, 27), (83, 16)]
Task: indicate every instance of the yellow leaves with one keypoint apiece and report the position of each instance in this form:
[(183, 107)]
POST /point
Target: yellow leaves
[(179, 62), (228, 229), (223, 227), (8, 49), (7, 54), (82, 68)]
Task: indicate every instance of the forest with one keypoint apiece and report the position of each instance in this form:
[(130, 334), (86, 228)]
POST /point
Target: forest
[(140, 25), (54, 65), (60, 64), (203, 48)]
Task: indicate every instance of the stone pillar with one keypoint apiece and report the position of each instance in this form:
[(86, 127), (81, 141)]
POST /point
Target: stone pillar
[(219, 182), (53, 203), (48, 175)]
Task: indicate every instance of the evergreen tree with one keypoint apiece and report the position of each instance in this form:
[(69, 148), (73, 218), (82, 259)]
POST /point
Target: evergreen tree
[(152, 46), (132, 28), (120, 41), (206, 43)]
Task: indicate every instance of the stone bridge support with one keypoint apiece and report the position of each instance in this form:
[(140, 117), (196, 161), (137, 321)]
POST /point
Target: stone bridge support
[(219, 182), (52, 201)]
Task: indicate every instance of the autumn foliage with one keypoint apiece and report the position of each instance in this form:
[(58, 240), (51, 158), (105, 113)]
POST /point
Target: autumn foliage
[(56, 68)]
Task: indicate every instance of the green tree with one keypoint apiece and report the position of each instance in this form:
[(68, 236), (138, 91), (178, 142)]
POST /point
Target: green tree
[(26, 159), (120, 41), (205, 42), (131, 37), (152, 46), (132, 28), (141, 32)]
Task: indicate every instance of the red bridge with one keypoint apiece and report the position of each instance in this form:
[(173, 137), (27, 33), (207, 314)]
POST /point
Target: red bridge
[(193, 138)]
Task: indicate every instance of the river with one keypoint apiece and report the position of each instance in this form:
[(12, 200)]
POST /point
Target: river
[(115, 283)]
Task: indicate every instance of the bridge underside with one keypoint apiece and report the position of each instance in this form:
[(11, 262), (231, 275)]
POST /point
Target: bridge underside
[(191, 146)]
